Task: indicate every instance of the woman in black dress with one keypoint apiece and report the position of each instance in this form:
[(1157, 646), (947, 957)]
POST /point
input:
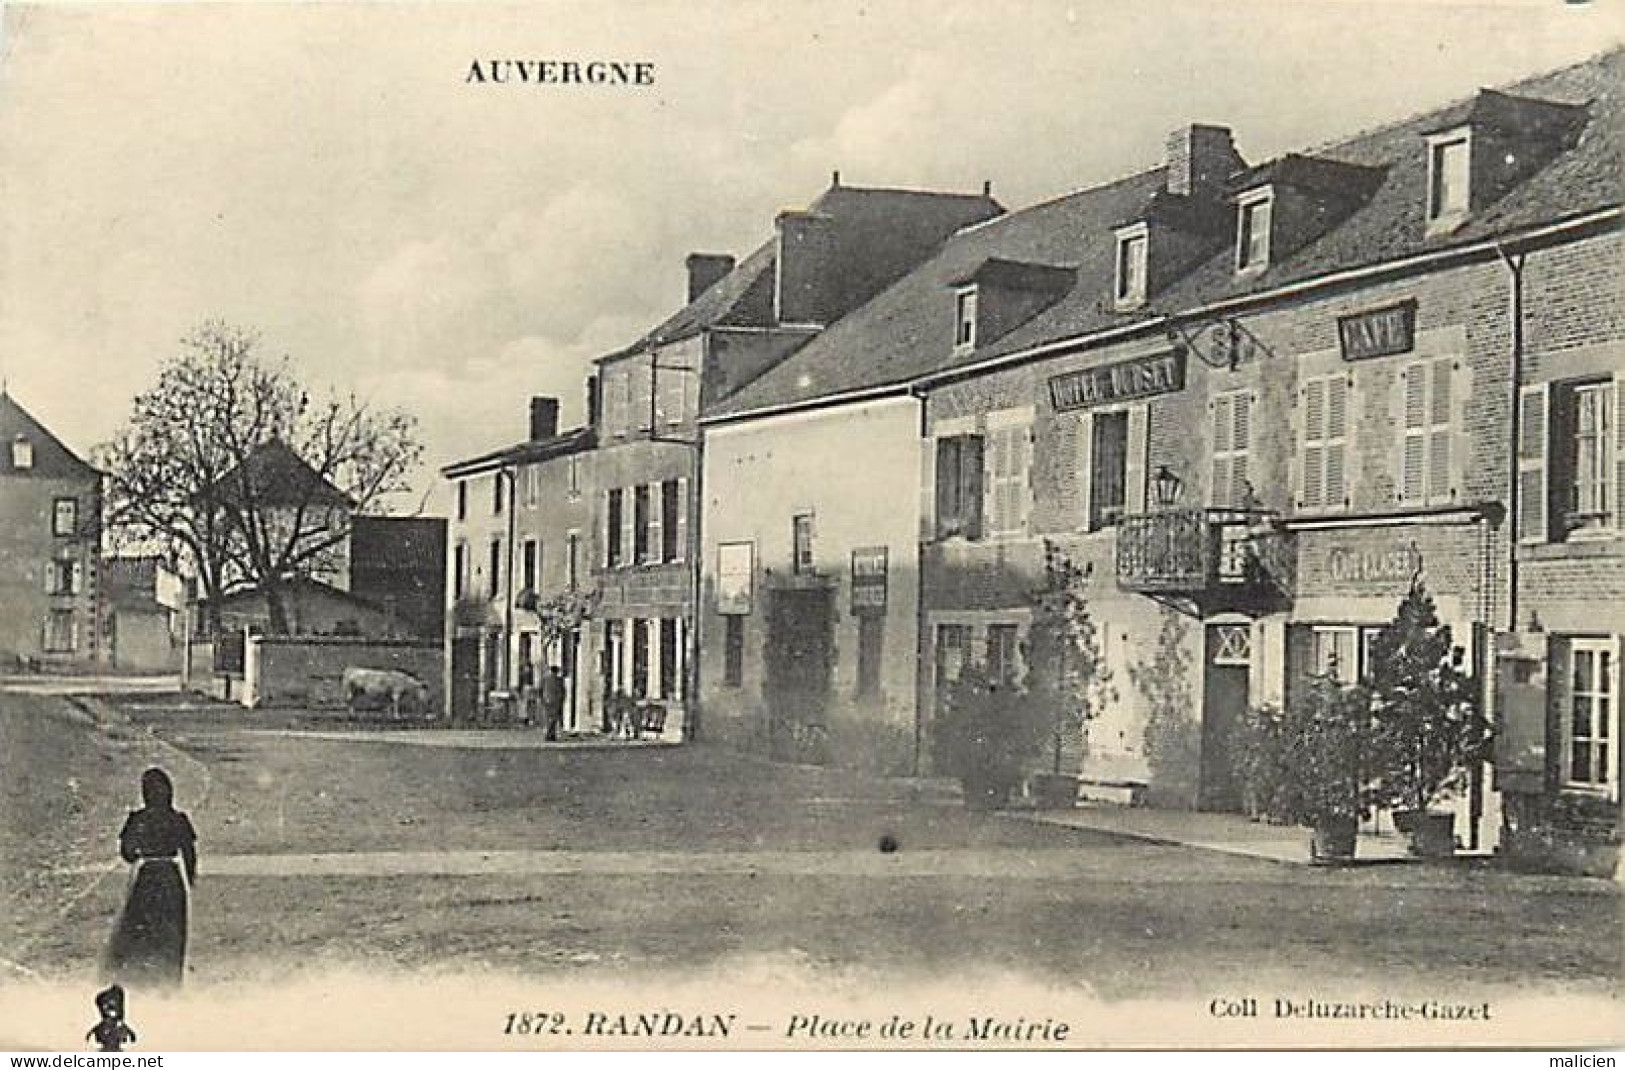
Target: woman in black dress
[(149, 945)]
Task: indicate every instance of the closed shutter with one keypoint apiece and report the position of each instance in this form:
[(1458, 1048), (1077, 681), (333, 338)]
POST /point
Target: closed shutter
[(1439, 425), (1534, 441), (609, 531), (1086, 473), (1616, 498), (1337, 419), (1139, 419), (1241, 441), (1300, 659), (1560, 694), (928, 489), (1413, 448), (970, 485), (628, 525), (948, 519), (1024, 486), (1312, 493), (682, 518), (1221, 407)]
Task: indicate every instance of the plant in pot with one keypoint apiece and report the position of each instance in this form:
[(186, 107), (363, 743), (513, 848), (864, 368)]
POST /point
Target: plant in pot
[(986, 735), (1307, 764), (1430, 728), (1067, 679)]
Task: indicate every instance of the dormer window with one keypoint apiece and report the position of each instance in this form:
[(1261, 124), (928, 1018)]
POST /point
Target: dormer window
[(1449, 160), (965, 320), (22, 453), (1131, 253), (1253, 230)]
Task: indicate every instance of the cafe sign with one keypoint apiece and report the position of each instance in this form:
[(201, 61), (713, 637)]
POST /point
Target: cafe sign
[(1380, 332), (1126, 380), (869, 580), (1373, 566)]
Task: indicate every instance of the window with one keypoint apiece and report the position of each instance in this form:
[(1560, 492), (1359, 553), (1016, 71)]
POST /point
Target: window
[(1335, 652), (801, 542), (671, 395), (1448, 175), (496, 492), (1232, 436), (871, 639), (462, 499), (1002, 653), (1131, 252), (495, 572), (965, 320), (1571, 460), (612, 528), (61, 631), (530, 565), (459, 569), (65, 517), (640, 524), (1593, 714), (1424, 456), (670, 677), (733, 652), (533, 483), (1009, 490), (1108, 476), (959, 486), (63, 577), (640, 658), (22, 453), (1589, 487), (640, 396), (1325, 438), (1253, 232), (572, 558), (671, 504), (953, 643), (615, 400)]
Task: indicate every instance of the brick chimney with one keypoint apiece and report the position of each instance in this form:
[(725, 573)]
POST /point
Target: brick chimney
[(705, 270), (592, 401), (1200, 158), (806, 260), (544, 418)]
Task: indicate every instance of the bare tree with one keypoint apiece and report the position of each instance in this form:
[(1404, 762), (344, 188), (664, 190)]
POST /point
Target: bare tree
[(231, 467)]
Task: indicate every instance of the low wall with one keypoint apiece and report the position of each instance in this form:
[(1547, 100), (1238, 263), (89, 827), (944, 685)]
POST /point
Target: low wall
[(307, 672)]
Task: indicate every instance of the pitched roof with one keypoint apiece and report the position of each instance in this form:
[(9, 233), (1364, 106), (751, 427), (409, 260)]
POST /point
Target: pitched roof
[(52, 459), (1019, 275), (282, 477), (574, 441), (879, 234), (906, 333)]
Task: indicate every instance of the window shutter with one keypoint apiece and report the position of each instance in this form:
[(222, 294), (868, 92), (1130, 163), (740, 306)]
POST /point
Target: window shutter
[(1313, 491), (1139, 419), (1522, 714), (947, 499), (1439, 434), (1024, 487), (657, 508), (1616, 498), (629, 522), (1220, 494), (1413, 429), (50, 577), (1300, 659), (682, 518), (1086, 473), (1337, 414), (928, 489), (1560, 701), (970, 482), (609, 534), (76, 577), (1534, 523), (1241, 441)]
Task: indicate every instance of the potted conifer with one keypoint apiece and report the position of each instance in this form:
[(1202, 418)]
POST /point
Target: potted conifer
[(1067, 679)]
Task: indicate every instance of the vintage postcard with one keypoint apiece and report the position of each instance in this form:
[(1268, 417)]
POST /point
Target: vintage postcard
[(892, 525)]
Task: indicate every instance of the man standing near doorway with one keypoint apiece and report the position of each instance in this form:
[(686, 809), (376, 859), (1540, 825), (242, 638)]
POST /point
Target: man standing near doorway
[(552, 695)]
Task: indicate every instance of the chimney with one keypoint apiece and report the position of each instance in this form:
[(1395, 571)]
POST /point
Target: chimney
[(592, 401), (544, 418), (806, 261), (1200, 158), (705, 270)]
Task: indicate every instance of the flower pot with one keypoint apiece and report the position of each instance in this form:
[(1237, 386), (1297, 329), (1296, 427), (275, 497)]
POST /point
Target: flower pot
[(1054, 791), (1432, 833), (1332, 841)]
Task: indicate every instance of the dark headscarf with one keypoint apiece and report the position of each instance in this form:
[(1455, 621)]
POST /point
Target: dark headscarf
[(157, 791), (111, 999)]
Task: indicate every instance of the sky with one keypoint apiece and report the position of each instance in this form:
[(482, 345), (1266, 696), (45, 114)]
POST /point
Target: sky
[(325, 173)]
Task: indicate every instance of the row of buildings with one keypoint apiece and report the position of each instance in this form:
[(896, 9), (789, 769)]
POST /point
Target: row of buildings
[(1257, 395)]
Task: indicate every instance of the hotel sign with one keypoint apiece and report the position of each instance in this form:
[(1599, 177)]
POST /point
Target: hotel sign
[(1126, 380), (1382, 332), (869, 580)]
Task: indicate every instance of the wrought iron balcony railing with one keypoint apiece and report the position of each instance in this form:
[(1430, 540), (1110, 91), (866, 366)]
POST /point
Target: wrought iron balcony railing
[(1214, 558)]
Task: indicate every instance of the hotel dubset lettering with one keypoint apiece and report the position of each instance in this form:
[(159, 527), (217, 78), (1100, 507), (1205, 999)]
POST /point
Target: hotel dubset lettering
[(1124, 381)]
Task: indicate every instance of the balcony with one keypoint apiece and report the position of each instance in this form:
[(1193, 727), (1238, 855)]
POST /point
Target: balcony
[(1206, 561)]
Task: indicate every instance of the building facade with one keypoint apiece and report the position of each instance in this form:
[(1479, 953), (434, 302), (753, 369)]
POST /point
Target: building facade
[(50, 547)]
